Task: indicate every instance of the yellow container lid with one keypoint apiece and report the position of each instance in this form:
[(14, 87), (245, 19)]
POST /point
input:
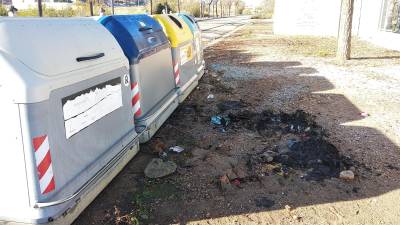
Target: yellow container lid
[(175, 28)]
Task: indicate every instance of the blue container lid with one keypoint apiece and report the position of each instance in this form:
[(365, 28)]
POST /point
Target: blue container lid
[(190, 21), (136, 34)]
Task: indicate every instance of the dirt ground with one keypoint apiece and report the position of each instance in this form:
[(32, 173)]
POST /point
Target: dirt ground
[(292, 121)]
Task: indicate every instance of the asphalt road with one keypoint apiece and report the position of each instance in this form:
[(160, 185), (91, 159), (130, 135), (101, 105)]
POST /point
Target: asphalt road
[(215, 29)]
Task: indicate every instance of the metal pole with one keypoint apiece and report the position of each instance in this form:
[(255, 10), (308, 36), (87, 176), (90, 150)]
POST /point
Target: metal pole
[(112, 7), (40, 9), (179, 7)]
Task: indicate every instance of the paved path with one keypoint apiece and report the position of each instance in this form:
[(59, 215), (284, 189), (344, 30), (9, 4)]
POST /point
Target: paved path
[(215, 29)]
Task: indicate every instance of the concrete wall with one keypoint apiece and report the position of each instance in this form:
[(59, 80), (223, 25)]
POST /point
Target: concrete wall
[(321, 18), (306, 17)]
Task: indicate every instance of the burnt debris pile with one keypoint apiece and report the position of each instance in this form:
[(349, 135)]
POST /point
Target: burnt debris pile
[(300, 144)]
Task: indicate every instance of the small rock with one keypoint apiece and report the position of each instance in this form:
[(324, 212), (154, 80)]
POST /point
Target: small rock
[(264, 202), (283, 150), (158, 168), (144, 216), (268, 156), (347, 175), (296, 217), (240, 172)]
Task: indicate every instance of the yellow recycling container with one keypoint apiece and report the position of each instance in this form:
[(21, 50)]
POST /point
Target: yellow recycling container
[(181, 39)]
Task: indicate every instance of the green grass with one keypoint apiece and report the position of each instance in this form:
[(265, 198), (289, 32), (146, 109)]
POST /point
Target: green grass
[(3, 11), (264, 15), (150, 193)]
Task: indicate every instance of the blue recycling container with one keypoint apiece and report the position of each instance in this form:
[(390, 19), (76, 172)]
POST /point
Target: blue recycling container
[(154, 94), (197, 43)]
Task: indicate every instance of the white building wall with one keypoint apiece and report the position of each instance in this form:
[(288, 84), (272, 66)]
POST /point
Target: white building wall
[(306, 17), (321, 18)]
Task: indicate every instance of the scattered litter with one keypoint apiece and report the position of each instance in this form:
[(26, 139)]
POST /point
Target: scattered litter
[(236, 182), (264, 202), (159, 168), (229, 105), (220, 120), (224, 183), (176, 149), (364, 114), (347, 175), (210, 97), (158, 147), (288, 208), (291, 143), (163, 155)]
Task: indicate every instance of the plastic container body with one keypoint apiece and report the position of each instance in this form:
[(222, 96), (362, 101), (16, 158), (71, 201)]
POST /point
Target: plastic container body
[(154, 94), (66, 117), (181, 39), (197, 43)]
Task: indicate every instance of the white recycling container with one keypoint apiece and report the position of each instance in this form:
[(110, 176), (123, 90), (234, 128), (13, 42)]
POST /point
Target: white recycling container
[(66, 124)]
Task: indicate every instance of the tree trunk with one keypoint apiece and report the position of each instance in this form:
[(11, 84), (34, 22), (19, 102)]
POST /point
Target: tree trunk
[(344, 36), (91, 8), (151, 7), (40, 8), (222, 11), (216, 9), (179, 6)]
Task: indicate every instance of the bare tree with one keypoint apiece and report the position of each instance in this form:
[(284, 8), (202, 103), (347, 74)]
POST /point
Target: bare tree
[(344, 35), (230, 2), (209, 3), (216, 7)]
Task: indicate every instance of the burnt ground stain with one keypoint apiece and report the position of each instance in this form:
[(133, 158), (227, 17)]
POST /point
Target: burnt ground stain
[(309, 152)]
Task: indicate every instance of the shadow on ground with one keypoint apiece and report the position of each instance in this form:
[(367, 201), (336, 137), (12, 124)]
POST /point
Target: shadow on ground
[(196, 195)]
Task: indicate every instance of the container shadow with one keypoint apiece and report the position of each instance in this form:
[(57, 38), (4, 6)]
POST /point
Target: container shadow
[(263, 85)]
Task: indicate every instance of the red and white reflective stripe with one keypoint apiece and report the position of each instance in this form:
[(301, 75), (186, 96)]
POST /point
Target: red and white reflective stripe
[(137, 111), (177, 73), (43, 164)]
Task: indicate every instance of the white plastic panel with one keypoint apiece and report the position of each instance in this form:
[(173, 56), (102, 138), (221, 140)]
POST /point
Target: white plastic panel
[(51, 46)]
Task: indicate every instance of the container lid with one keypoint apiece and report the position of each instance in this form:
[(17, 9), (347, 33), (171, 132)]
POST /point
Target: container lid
[(189, 20), (54, 46), (177, 30), (136, 34)]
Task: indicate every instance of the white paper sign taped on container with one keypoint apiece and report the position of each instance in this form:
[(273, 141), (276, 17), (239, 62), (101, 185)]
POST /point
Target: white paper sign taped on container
[(186, 53), (86, 107)]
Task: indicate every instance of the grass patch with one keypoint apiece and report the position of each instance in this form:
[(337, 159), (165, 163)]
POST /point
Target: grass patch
[(3, 11), (151, 193), (266, 15)]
